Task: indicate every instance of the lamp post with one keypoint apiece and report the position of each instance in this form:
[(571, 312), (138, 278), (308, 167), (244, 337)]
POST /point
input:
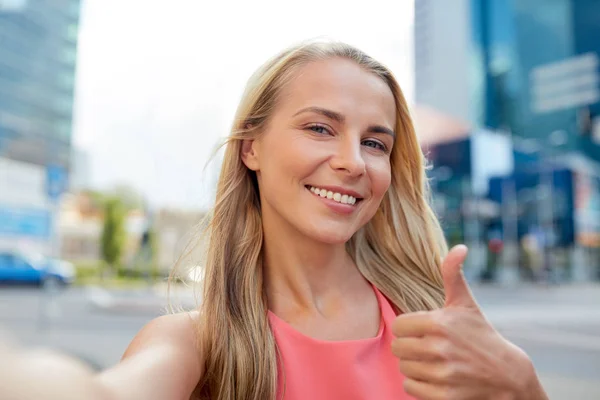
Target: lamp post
[(556, 139)]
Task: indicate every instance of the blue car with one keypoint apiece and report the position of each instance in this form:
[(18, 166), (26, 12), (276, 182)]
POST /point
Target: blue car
[(19, 268)]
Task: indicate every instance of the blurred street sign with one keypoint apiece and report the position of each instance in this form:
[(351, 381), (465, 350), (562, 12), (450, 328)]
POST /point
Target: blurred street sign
[(56, 181), (569, 83), (25, 222)]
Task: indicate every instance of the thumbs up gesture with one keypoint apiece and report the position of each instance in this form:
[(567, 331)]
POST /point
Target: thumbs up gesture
[(455, 353)]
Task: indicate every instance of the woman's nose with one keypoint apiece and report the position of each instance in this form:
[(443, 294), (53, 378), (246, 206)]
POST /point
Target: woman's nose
[(349, 158)]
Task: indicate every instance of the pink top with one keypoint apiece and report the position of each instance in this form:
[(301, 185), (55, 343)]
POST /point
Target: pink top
[(350, 370)]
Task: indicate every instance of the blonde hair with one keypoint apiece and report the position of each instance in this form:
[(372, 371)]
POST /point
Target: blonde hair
[(399, 250)]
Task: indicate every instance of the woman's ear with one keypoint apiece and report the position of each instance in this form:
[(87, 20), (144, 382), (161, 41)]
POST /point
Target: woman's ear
[(250, 154)]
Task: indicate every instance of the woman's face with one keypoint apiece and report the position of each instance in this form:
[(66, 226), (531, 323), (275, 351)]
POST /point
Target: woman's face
[(323, 162)]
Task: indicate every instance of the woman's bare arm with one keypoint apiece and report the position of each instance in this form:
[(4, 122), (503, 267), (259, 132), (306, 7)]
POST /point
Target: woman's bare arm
[(161, 363)]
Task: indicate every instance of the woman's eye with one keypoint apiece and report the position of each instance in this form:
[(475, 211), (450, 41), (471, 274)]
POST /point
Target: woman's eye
[(319, 129), (375, 144)]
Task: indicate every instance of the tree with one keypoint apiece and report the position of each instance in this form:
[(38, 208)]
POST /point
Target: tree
[(113, 233), (130, 197)]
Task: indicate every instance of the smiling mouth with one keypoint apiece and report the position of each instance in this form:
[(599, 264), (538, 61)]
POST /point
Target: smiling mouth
[(335, 196)]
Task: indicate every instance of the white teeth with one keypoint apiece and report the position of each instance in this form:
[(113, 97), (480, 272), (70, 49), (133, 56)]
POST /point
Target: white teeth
[(340, 198)]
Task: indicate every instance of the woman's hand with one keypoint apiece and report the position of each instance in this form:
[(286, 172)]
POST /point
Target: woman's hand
[(455, 353)]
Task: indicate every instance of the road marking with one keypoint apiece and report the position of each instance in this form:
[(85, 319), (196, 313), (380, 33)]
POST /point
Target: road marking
[(99, 297)]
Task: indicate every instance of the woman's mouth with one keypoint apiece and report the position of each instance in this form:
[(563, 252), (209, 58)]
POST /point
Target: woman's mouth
[(341, 198)]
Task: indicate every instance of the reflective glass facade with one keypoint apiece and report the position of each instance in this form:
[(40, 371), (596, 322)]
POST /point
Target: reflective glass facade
[(38, 44), (539, 60)]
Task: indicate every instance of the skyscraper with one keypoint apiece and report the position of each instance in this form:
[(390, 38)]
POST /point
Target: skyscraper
[(529, 70), (38, 47), (442, 56)]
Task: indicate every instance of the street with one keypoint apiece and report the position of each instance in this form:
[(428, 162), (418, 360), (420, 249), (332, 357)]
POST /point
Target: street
[(559, 327)]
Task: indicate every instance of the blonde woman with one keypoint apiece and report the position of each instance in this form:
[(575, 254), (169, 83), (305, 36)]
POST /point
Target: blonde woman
[(327, 275)]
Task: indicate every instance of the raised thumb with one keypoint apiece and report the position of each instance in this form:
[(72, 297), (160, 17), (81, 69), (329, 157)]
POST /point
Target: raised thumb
[(455, 285)]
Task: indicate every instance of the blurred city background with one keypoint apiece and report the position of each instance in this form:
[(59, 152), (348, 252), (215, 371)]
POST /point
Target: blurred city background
[(111, 109)]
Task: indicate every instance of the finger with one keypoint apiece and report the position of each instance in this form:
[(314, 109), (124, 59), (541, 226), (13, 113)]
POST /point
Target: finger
[(415, 324), (425, 390), (455, 285), (417, 349), (425, 371)]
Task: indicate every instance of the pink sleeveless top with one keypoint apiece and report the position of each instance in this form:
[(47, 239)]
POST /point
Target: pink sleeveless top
[(350, 370)]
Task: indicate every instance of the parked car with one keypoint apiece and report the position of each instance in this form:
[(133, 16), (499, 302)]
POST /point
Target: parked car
[(21, 268)]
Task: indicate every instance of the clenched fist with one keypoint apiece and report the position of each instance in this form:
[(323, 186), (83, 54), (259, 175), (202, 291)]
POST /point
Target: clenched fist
[(455, 353)]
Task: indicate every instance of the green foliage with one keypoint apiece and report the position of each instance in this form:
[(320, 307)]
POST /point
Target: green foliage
[(116, 204), (98, 198), (86, 270), (130, 197), (113, 234)]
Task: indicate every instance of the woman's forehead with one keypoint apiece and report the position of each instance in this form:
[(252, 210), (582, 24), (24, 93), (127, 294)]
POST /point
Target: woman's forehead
[(340, 84)]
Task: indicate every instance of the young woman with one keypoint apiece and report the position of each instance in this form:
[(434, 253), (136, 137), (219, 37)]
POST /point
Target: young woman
[(327, 275)]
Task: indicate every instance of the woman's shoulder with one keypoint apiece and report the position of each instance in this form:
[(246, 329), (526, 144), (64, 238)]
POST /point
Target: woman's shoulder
[(162, 361), (177, 331)]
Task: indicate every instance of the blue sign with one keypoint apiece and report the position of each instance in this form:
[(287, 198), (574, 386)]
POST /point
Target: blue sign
[(25, 222), (528, 218), (56, 181)]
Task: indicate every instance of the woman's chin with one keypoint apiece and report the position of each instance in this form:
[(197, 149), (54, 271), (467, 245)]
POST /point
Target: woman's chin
[(332, 238)]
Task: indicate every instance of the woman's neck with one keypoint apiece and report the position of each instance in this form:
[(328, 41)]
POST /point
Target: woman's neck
[(304, 275)]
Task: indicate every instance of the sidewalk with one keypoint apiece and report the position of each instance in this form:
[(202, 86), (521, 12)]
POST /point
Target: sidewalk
[(523, 303), (148, 300)]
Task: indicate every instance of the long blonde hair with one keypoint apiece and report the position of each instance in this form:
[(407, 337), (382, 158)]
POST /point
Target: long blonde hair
[(399, 250)]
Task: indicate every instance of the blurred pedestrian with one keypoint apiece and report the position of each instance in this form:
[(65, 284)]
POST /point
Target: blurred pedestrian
[(327, 275), (495, 247)]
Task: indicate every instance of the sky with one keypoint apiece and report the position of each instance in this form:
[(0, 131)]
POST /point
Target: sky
[(158, 81)]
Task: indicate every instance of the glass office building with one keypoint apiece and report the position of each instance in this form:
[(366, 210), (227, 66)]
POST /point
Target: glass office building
[(540, 63), (528, 71), (540, 66), (38, 47)]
